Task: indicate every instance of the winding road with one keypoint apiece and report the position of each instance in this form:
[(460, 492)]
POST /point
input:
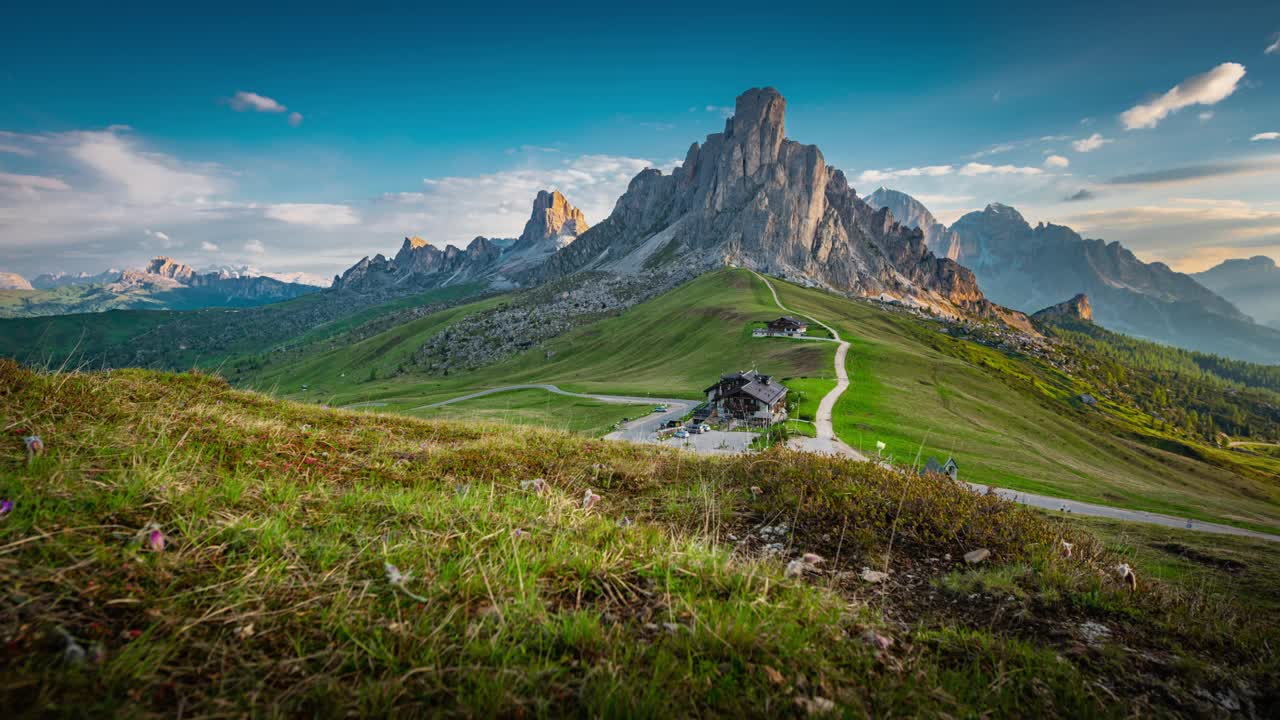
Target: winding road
[(825, 441)]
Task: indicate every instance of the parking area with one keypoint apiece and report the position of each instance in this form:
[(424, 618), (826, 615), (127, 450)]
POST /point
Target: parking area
[(714, 441)]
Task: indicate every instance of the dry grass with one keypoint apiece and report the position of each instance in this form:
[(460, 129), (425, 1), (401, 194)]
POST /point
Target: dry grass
[(271, 597)]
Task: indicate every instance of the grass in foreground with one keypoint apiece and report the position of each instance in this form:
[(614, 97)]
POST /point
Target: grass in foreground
[(270, 596)]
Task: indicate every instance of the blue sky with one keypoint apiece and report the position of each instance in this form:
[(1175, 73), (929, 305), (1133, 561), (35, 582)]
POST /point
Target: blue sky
[(129, 132)]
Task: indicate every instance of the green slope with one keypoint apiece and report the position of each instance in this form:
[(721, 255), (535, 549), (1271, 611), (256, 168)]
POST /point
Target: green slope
[(1009, 421)]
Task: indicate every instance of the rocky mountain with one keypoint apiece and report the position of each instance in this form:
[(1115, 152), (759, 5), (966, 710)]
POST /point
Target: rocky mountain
[(163, 284), (1025, 268), (13, 281), (749, 196), (49, 281), (553, 224), (1252, 284), (235, 271), (1077, 309), (912, 213)]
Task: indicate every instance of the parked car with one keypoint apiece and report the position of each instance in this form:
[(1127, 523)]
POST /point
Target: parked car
[(673, 424), (703, 428), (659, 408), (682, 433)]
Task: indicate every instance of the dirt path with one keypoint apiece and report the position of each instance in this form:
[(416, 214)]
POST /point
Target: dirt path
[(826, 441)]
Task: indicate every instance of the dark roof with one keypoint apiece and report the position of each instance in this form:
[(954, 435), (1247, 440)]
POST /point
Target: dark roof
[(788, 320), (761, 387)]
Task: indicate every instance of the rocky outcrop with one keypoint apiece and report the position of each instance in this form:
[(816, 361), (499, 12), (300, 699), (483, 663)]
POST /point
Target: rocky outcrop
[(169, 268), (48, 281), (554, 223), (1252, 284), (1077, 309), (749, 196), (13, 281)]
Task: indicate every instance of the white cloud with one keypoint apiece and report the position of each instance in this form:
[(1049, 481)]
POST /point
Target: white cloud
[(1274, 47), (870, 177), (1265, 136), (1056, 161), (255, 246), (146, 178), (320, 215), (16, 150), (32, 182), (974, 169), (207, 246), (162, 239), (295, 119), (243, 101), (1206, 116), (1207, 88), (724, 111), (1091, 143)]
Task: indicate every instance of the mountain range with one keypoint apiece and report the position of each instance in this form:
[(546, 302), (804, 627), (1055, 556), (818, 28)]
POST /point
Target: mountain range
[(1027, 268), (163, 284), (747, 196), (1252, 284)]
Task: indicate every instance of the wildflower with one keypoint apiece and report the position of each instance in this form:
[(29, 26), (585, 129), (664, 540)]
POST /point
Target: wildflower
[(625, 522), (537, 485), (590, 500), (1129, 577), (155, 541), (398, 579), (6, 507), (518, 533), (880, 446), (1066, 547), (756, 491), (35, 446)]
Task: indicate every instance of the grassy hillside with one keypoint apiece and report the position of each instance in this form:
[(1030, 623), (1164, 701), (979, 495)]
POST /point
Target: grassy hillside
[(1009, 421), (1014, 422), (271, 594), (674, 346)]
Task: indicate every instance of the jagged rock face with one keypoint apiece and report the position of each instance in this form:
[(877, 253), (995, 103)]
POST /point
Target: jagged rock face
[(1026, 268), (912, 213), (1075, 309), (554, 222), (748, 196), (1252, 284), (13, 281), (170, 268)]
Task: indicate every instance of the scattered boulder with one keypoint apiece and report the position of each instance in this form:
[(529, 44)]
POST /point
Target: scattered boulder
[(873, 576), (973, 557)]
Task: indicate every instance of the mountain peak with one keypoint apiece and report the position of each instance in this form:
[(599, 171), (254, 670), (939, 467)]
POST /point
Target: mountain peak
[(552, 218)]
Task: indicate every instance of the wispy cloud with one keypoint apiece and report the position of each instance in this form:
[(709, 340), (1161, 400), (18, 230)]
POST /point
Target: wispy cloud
[(320, 215), (869, 177), (1274, 47), (1089, 144), (255, 246), (1272, 135), (32, 182), (14, 149), (721, 109), (1190, 173), (161, 238), (244, 101), (1056, 162), (974, 169), (1079, 195), (207, 246), (1208, 88)]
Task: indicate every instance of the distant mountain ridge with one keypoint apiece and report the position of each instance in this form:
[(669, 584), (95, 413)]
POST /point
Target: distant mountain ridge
[(553, 224), (163, 284), (1027, 268), (1252, 284)]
